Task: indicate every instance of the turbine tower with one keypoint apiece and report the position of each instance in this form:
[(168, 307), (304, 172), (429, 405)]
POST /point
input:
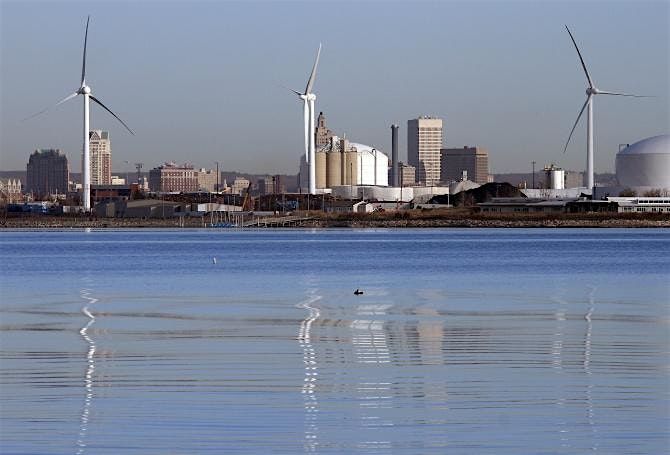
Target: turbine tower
[(85, 90), (591, 92), (308, 99)]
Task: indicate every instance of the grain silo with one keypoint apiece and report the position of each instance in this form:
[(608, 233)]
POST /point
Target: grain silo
[(321, 169), (334, 171), (351, 167)]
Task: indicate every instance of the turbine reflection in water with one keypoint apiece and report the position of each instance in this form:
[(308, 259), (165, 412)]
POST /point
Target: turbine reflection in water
[(311, 369), (587, 369), (371, 347), (85, 294)]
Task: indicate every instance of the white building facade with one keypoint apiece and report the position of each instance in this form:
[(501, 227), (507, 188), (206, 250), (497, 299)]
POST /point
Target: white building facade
[(424, 141), (101, 157)]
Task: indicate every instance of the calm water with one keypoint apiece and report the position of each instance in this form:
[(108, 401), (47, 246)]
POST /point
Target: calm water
[(465, 341)]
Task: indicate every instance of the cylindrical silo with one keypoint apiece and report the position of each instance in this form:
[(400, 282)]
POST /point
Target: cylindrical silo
[(351, 167), (320, 169), (334, 172), (557, 179)]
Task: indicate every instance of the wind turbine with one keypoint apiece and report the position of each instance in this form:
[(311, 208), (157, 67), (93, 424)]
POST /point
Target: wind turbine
[(308, 99), (85, 90), (591, 92)]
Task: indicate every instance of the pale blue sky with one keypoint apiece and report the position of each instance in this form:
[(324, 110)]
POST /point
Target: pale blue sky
[(201, 81)]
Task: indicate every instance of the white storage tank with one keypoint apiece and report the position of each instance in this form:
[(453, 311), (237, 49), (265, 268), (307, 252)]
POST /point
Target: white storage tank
[(555, 177), (645, 164)]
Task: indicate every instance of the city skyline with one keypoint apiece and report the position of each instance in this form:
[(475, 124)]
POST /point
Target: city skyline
[(511, 88)]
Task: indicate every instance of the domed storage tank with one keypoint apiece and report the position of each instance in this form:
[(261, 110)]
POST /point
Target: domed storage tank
[(320, 169), (645, 163), (334, 173)]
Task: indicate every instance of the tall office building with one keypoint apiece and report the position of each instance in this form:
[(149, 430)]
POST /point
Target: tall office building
[(424, 140), (47, 173), (473, 160), (101, 157)]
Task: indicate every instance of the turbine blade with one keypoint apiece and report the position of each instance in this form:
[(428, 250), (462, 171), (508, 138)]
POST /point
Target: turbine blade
[(291, 90), (588, 76), (310, 82), (588, 98), (603, 92), (69, 97), (83, 63), (108, 110)]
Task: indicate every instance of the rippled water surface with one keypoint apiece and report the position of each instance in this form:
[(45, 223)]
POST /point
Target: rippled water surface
[(464, 341)]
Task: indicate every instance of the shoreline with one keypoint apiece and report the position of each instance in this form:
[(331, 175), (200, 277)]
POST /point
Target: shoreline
[(358, 221)]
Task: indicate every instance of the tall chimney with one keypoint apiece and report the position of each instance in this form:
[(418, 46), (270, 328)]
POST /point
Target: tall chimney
[(395, 177)]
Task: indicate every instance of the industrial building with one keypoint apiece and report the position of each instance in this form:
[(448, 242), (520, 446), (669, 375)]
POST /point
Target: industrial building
[(47, 172), (546, 205), (424, 140), (642, 204), (341, 162), (473, 160), (573, 205)]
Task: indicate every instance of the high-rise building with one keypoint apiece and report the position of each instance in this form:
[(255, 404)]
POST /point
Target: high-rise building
[(101, 157), (321, 132), (206, 180), (473, 160), (424, 140), (47, 173), (171, 177)]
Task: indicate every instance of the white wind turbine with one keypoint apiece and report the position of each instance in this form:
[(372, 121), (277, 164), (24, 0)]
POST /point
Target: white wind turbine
[(86, 91), (591, 92), (308, 113)]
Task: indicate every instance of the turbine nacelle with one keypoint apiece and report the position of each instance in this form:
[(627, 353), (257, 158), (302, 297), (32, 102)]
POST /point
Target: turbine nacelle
[(310, 97), (592, 91), (84, 90)]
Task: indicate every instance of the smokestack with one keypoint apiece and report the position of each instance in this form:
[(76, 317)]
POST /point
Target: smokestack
[(395, 178)]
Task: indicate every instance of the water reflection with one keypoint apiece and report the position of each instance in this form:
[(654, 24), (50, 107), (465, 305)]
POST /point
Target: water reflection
[(445, 358), (85, 293), (309, 357), (375, 397), (587, 369)]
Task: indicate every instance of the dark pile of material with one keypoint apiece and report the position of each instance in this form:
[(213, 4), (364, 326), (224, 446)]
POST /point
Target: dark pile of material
[(474, 196)]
